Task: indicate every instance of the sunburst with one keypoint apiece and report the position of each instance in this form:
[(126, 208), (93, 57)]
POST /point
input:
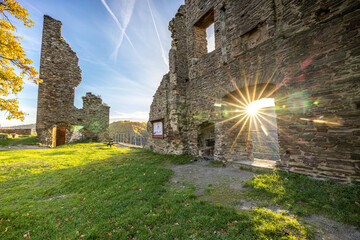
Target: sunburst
[(249, 106)]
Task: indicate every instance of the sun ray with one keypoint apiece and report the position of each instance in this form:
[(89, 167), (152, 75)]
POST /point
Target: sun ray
[(229, 119), (257, 130), (254, 88), (256, 80), (267, 120), (246, 86), (249, 129), (277, 129), (281, 98), (235, 105), (274, 90), (272, 138), (267, 83), (261, 124), (236, 124), (235, 86), (242, 128), (236, 111), (235, 98), (277, 117), (263, 113), (240, 93)]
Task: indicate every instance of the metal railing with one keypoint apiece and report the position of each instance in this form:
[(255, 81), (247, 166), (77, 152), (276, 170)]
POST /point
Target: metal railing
[(130, 138)]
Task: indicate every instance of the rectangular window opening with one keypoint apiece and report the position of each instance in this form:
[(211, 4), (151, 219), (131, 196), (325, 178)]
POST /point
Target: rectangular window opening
[(204, 34), (210, 38)]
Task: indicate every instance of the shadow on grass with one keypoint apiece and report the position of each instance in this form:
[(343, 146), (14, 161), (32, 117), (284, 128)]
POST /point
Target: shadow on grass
[(305, 196), (58, 153), (125, 196)]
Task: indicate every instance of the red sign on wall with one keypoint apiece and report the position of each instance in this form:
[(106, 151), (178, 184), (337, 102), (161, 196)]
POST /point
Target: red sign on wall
[(158, 129)]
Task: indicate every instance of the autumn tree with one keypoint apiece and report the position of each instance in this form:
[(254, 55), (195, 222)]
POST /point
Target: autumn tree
[(13, 55)]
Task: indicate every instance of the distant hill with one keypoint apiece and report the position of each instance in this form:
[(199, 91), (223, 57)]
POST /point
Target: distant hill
[(139, 128)]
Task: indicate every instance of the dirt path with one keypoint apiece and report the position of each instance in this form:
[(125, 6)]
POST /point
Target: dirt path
[(224, 186)]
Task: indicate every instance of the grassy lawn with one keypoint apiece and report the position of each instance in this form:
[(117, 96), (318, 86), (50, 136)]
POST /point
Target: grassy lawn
[(21, 139), (304, 196), (87, 191)]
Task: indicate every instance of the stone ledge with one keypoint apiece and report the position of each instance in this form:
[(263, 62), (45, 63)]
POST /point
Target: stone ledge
[(257, 164)]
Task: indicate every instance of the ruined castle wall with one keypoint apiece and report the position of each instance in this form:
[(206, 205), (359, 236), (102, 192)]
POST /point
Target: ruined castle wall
[(159, 111), (60, 74), (56, 113), (169, 101), (307, 51), (178, 77), (320, 136), (94, 117), (211, 74)]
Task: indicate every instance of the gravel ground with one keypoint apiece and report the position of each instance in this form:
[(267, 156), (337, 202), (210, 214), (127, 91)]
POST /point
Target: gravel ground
[(223, 185)]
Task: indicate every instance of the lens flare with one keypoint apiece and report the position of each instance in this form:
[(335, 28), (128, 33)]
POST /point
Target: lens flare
[(254, 107)]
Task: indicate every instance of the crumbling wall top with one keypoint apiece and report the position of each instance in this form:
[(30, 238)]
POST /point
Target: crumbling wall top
[(52, 27), (91, 100), (58, 61)]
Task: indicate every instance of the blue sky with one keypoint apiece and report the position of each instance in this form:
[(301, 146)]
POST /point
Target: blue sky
[(122, 47)]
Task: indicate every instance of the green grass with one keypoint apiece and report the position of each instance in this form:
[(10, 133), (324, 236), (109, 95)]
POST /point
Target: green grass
[(21, 139), (304, 196), (116, 193)]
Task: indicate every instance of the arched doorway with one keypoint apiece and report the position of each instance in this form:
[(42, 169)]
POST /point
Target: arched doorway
[(206, 140), (264, 135), (249, 126)]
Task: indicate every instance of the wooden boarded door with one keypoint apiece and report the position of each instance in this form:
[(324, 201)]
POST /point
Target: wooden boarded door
[(60, 135)]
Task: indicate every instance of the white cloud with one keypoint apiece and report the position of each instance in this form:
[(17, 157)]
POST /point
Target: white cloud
[(132, 116), (29, 119)]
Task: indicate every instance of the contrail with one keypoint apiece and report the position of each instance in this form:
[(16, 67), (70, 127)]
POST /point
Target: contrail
[(158, 36), (122, 29), (35, 8)]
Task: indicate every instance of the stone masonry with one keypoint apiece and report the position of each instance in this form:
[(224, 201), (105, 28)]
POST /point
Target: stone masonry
[(56, 114), (303, 54)]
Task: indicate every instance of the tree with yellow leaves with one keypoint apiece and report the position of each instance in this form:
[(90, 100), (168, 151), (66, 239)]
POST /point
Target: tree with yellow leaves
[(12, 55)]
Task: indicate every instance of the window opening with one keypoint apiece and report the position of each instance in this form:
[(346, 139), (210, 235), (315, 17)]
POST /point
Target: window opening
[(204, 34), (210, 38)]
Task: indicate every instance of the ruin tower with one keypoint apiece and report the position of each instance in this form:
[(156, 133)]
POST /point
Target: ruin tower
[(56, 113), (60, 73)]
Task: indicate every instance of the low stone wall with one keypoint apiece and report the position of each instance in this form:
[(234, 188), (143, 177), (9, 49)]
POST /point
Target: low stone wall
[(26, 131)]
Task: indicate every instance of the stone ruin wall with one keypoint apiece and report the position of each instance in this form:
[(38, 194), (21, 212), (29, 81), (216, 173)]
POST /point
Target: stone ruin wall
[(18, 131), (94, 116), (169, 101), (61, 74), (310, 51)]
